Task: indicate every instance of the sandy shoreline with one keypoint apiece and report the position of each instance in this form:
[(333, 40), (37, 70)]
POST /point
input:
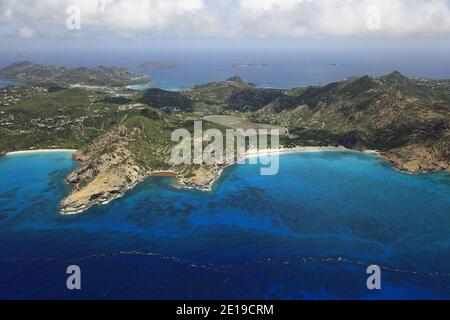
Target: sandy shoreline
[(40, 151), (260, 152), (207, 187), (249, 153), (268, 152)]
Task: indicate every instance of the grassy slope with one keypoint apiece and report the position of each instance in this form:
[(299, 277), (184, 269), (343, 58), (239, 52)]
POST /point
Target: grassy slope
[(386, 113), (72, 104)]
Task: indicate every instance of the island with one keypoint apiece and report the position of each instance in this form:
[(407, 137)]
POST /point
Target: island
[(52, 75), (159, 65), (250, 65), (123, 137)]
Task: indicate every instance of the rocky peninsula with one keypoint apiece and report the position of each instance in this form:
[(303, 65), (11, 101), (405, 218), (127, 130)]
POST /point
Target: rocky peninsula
[(123, 136)]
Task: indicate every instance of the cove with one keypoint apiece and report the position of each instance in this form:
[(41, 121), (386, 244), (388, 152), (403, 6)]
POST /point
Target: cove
[(309, 232)]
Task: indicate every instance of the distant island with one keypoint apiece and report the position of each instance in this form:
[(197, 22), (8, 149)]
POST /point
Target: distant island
[(250, 65), (159, 65), (123, 137), (52, 75)]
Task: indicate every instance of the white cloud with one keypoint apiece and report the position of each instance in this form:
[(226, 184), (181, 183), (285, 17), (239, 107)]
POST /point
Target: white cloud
[(25, 32), (262, 18), (269, 5), (8, 13), (343, 17)]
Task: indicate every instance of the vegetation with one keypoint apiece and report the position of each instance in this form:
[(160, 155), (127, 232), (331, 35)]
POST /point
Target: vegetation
[(393, 114), (53, 76), (166, 100)]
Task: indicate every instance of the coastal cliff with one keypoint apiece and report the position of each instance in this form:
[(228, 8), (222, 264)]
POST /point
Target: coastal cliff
[(202, 177), (107, 169), (405, 120), (416, 159), (102, 178), (123, 157), (124, 136)]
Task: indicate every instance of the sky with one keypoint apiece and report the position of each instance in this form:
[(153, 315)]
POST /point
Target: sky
[(387, 30), (227, 19), (371, 36)]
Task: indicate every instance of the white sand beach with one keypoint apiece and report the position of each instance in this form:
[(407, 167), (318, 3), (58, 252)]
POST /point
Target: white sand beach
[(40, 151), (261, 152)]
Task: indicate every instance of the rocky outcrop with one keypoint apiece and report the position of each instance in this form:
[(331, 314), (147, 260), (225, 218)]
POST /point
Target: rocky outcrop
[(431, 154), (107, 170), (417, 159), (202, 178), (105, 187), (406, 119)]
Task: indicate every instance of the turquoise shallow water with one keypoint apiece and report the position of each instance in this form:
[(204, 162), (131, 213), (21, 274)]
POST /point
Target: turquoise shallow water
[(307, 233), (5, 83)]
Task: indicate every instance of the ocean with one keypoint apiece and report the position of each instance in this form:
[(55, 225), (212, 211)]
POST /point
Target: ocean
[(284, 64), (5, 83), (309, 232)]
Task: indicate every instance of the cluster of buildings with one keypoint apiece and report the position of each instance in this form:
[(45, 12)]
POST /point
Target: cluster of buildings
[(56, 123), (11, 95), (6, 120), (8, 96)]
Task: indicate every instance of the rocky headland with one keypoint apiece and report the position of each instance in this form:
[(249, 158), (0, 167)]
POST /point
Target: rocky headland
[(124, 137)]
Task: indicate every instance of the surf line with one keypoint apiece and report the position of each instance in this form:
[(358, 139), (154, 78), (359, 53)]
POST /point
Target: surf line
[(217, 268)]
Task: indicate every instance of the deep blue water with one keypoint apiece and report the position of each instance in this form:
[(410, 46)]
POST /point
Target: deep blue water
[(307, 233)]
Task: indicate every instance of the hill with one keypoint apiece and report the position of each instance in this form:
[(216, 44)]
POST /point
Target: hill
[(166, 100), (48, 75), (124, 136)]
